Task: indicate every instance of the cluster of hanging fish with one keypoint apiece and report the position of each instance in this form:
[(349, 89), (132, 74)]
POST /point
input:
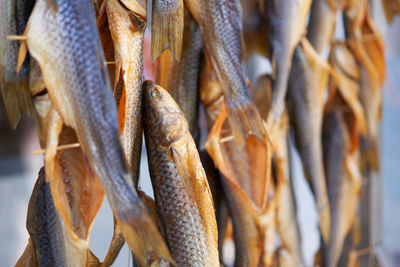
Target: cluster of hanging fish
[(76, 67)]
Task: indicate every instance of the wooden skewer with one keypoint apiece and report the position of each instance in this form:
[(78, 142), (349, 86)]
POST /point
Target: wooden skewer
[(110, 62), (363, 251), (42, 151), (226, 139), (17, 37)]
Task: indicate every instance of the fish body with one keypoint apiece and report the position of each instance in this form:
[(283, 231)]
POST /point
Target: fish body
[(343, 183), (287, 226), (181, 78), (307, 84), (15, 86), (77, 80), (322, 24), (183, 198), (52, 245), (287, 25), (220, 22), (127, 32)]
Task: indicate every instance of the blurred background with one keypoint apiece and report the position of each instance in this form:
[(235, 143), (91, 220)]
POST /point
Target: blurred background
[(19, 168)]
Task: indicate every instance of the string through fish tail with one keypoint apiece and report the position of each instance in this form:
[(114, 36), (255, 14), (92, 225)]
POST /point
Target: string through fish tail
[(17, 38), (43, 151)]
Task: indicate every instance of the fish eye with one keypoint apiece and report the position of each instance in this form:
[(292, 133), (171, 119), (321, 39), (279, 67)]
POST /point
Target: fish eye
[(155, 94)]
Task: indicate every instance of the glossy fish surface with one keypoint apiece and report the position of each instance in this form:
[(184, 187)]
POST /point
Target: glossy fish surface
[(307, 84), (183, 197), (78, 84), (14, 15), (220, 22)]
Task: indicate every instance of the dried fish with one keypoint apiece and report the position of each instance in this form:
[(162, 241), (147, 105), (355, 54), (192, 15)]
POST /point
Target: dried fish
[(307, 84), (181, 78), (220, 22), (14, 85), (79, 87), (183, 198)]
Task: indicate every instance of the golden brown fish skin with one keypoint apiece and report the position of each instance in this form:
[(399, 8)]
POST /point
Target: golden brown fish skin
[(307, 83), (220, 22), (287, 25), (78, 84), (181, 78), (77, 192), (183, 198), (127, 32), (287, 226), (347, 81), (14, 15), (248, 230), (367, 46), (211, 94), (343, 181), (167, 27)]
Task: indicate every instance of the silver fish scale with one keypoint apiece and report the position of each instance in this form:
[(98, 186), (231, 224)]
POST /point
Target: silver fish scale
[(222, 34), (44, 226), (84, 90), (182, 223), (183, 83)]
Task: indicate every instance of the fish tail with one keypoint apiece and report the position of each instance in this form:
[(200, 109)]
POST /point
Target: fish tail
[(246, 121), (143, 237), (167, 28), (391, 8), (17, 100)]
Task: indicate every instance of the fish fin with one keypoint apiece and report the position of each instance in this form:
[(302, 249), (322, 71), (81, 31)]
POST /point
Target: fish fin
[(142, 235), (16, 94), (116, 244), (391, 9), (77, 193), (92, 259), (27, 259), (259, 158), (139, 7), (183, 170), (167, 28), (246, 121), (190, 172)]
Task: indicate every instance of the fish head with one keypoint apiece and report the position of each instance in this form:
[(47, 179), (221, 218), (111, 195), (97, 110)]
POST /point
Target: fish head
[(163, 119)]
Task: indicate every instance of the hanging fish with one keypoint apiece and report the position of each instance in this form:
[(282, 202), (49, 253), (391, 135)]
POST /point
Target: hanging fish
[(220, 23), (183, 198), (78, 84)]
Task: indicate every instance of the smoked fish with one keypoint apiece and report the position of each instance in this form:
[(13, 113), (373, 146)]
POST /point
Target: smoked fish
[(181, 78), (343, 182), (183, 198), (307, 84), (286, 26), (220, 22), (127, 32), (167, 27), (52, 245), (77, 80), (14, 85)]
